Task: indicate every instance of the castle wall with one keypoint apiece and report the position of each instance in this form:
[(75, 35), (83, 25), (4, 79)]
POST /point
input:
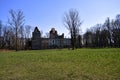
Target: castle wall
[(36, 44), (55, 40)]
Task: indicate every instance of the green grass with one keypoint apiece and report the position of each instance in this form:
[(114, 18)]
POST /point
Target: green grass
[(80, 64)]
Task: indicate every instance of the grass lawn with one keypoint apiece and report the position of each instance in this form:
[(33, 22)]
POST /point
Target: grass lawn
[(61, 64)]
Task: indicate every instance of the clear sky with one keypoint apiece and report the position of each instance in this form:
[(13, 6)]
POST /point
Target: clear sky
[(47, 14)]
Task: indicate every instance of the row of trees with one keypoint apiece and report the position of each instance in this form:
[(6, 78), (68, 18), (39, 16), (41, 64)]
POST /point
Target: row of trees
[(14, 34), (99, 36), (103, 35)]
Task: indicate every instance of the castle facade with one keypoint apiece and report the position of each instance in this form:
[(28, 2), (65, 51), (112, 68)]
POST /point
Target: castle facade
[(54, 40)]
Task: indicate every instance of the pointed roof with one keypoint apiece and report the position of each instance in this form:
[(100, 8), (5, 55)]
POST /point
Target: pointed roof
[(36, 29)]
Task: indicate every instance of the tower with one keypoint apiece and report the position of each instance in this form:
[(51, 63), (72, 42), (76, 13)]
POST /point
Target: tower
[(36, 39), (36, 34)]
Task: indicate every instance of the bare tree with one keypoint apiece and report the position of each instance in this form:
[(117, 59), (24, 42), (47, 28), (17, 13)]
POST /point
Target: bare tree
[(16, 20), (21, 37), (0, 28), (47, 35), (116, 31), (27, 37), (72, 22), (28, 30), (107, 26), (6, 34), (1, 38)]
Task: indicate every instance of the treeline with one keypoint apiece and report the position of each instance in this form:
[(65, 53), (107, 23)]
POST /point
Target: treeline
[(103, 35), (99, 36), (15, 34)]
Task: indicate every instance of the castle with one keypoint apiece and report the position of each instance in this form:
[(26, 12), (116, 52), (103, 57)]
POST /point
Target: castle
[(54, 40)]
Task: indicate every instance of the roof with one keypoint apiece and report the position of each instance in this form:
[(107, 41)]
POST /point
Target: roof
[(36, 29)]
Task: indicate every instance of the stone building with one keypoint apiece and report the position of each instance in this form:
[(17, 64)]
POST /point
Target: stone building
[(54, 40)]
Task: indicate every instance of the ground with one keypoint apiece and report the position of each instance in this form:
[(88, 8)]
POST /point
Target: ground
[(61, 64)]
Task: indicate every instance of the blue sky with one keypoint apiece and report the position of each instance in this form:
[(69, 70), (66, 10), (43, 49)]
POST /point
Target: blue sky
[(47, 14)]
